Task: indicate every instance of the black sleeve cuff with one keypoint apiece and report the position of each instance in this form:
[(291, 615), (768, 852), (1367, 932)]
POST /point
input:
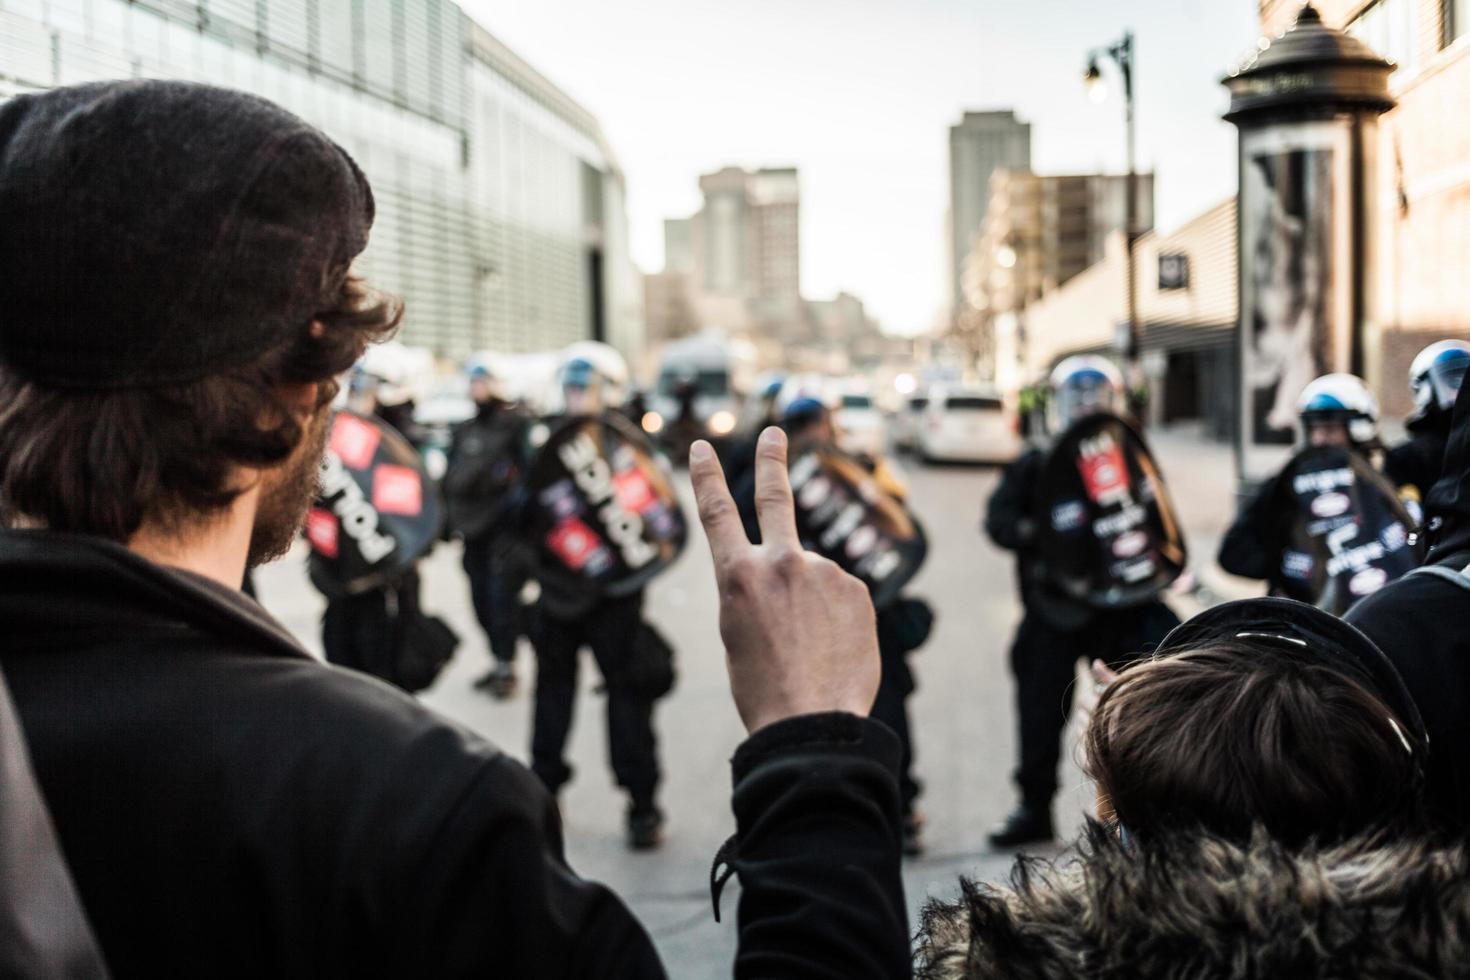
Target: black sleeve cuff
[(834, 732)]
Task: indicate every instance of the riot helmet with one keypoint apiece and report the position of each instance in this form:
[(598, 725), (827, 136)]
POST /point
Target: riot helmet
[(607, 364), (1081, 386), (1338, 409), (807, 417), (770, 388), (1435, 377), (489, 379), (381, 378), (582, 387)]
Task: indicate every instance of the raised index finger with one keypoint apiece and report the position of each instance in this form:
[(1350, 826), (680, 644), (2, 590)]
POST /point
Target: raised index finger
[(773, 504), (716, 508)]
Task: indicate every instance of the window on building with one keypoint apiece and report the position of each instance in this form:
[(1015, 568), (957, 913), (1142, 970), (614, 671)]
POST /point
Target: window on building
[(1456, 19), (1388, 28)]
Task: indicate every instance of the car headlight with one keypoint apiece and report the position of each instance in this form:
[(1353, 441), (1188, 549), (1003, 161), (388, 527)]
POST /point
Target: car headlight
[(653, 423), (722, 423)]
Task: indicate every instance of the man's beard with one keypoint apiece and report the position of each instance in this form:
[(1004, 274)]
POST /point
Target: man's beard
[(286, 492)]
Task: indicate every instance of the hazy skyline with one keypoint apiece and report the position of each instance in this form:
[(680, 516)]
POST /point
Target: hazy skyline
[(859, 95)]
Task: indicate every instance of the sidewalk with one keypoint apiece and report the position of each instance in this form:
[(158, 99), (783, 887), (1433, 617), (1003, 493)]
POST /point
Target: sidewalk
[(1201, 477)]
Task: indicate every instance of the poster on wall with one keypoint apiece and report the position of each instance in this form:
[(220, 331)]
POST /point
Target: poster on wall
[(1296, 268)]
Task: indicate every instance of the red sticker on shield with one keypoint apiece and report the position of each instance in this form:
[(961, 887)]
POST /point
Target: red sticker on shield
[(396, 490), (633, 491), (321, 531), (354, 441), (573, 542), (1104, 473)]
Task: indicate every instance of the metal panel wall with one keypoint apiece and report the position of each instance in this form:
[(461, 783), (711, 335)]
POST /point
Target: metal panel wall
[(479, 213)]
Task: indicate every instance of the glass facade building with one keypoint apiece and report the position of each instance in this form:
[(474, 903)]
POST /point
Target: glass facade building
[(499, 206)]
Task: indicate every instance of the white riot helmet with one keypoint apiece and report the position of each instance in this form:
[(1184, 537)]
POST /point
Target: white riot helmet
[(1341, 399), (383, 373), (1081, 386), (1436, 375), (594, 377), (609, 365), (490, 372)]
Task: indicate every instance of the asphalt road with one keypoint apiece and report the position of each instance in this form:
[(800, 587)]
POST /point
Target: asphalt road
[(962, 715)]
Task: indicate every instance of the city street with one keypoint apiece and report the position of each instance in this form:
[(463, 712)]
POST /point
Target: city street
[(962, 711)]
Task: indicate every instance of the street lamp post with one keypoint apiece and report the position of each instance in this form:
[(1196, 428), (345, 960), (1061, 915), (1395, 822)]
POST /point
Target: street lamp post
[(1121, 54)]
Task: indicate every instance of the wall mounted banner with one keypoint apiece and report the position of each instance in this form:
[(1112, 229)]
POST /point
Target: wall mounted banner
[(378, 511), (602, 515), (1108, 534), (844, 515), (1350, 533)]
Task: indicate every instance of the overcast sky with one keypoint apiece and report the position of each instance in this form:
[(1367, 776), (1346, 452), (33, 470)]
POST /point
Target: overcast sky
[(859, 95)]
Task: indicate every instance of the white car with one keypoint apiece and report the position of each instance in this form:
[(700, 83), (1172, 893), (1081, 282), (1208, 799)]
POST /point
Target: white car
[(967, 425), (906, 423), (860, 425)]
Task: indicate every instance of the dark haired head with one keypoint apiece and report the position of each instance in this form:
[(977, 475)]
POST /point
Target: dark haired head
[(104, 462), (1241, 733)]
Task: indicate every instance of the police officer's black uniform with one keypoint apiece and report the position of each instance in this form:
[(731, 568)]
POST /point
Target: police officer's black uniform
[(480, 483), (1055, 631), (567, 617), (366, 630)]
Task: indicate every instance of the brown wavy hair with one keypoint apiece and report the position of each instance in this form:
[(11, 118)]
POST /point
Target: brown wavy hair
[(1236, 735), (106, 462)]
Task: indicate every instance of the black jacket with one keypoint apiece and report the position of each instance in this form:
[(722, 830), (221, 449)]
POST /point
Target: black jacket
[(1012, 520), (1201, 908), (1419, 621), (43, 930), (1418, 461), (486, 461), (231, 807), (1253, 544)]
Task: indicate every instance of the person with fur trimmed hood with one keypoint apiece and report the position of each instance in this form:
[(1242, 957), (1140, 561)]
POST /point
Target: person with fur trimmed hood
[(1259, 815)]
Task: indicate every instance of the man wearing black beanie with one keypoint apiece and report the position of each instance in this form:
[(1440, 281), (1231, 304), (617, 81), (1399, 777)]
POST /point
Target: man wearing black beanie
[(176, 303)]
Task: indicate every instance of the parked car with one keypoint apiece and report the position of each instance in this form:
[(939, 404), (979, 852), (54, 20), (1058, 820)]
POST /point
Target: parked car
[(967, 425), (906, 422), (860, 425)]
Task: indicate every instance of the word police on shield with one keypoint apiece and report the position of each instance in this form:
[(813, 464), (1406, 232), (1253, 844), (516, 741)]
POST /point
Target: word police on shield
[(602, 516), (377, 513)]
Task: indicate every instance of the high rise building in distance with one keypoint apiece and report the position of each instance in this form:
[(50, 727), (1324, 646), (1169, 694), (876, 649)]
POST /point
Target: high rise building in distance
[(980, 144)]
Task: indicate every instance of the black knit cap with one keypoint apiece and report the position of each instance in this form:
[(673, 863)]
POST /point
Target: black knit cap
[(156, 232)]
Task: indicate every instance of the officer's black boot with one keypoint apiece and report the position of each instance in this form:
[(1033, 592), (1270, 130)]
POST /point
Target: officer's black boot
[(645, 825), (1026, 824)]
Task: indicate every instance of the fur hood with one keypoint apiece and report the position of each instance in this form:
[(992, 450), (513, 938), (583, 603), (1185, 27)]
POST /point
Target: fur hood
[(1197, 907)]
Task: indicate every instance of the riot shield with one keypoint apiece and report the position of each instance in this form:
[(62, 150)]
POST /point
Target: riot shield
[(1350, 533), (843, 514), (378, 512), (603, 517), (1107, 532)]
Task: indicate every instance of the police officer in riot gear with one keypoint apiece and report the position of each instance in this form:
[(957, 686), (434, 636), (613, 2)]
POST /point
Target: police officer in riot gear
[(363, 630), (1435, 377), (1335, 410), (903, 624), (486, 461), (739, 462), (568, 617), (1056, 629)]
